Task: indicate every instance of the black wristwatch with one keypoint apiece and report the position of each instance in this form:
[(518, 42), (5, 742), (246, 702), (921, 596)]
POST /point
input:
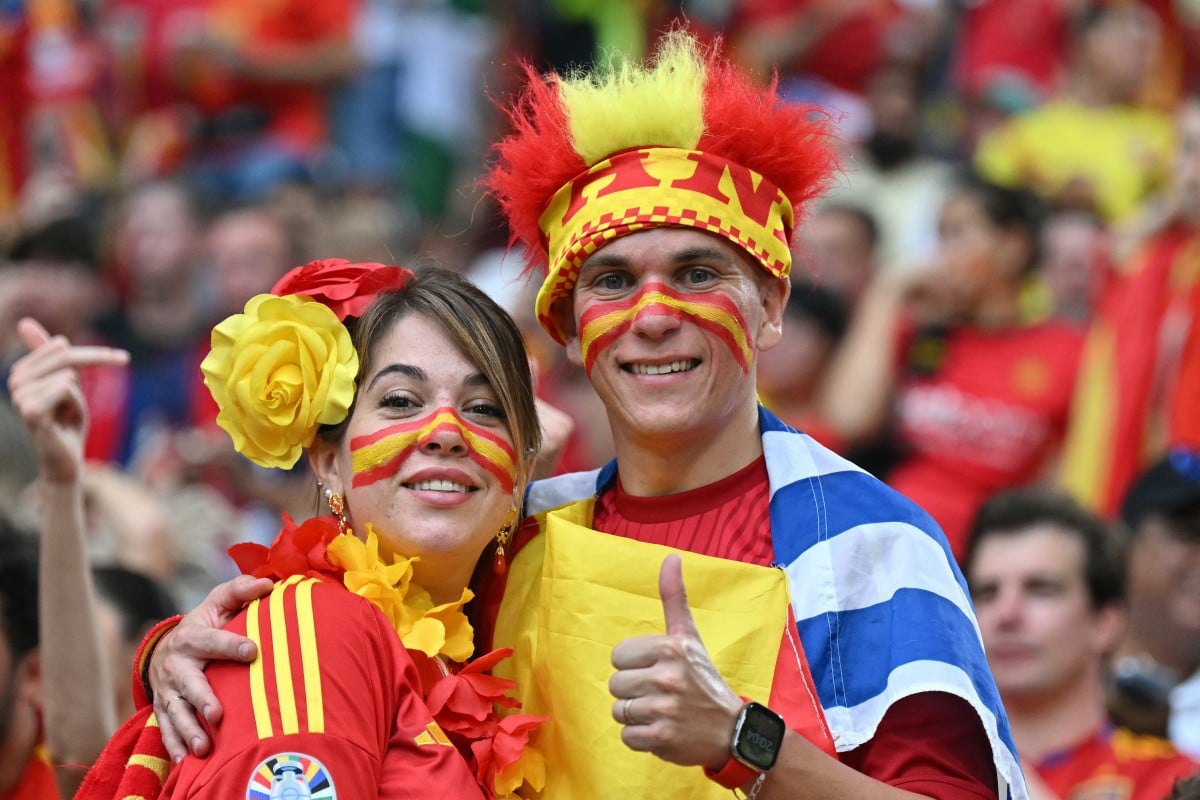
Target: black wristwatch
[(757, 737)]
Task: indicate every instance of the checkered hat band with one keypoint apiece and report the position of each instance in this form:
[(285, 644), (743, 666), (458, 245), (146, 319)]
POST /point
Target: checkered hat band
[(655, 187)]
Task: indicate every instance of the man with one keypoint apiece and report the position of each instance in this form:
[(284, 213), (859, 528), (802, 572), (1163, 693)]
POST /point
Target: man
[(1047, 583), (1156, 687), (25, 770), (668, 270)]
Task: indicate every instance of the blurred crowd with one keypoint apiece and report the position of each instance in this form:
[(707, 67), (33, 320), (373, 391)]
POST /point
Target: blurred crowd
[(1002, 290)]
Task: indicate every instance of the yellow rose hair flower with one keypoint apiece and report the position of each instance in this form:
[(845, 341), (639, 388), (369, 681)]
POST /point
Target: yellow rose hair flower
[(278, 371)]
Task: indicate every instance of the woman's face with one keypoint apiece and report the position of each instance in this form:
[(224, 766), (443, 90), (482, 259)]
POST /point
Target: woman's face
[(427, 458), (969, 252)]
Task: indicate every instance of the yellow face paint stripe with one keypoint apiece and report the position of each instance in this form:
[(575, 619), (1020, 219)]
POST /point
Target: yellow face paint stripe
[(258, 680), (286, 691), (314, 701), (714, 312), (380, 455)]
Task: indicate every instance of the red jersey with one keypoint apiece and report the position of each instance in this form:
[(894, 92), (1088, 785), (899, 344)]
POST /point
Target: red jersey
[(331, 708), (979, 411), (37, 781), (929, 743), (1115, 764)]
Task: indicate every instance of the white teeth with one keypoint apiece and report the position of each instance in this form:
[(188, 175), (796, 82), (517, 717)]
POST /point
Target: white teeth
[(661, 369), (438, 486)]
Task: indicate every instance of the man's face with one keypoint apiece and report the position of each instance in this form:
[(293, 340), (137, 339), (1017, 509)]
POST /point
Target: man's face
[(667, 322), (1164, 580), (1039, 629)]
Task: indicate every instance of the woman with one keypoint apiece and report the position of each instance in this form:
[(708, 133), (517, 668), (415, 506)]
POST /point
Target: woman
[(974, 383), (412, 395)]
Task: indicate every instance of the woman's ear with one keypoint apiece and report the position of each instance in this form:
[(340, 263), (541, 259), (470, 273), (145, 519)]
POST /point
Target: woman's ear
[(322, 460)]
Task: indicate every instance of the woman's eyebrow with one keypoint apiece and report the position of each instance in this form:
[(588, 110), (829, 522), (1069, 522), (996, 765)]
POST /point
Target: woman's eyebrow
[(416, 373)]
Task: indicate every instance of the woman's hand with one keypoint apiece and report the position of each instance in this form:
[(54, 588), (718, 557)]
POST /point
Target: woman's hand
[(176, 671)]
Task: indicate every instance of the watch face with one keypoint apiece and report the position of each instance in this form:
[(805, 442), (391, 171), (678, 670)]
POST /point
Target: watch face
[(757, 737)]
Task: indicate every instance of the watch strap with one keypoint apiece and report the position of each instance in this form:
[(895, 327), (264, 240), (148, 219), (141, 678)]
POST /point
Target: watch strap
[(734, 773)]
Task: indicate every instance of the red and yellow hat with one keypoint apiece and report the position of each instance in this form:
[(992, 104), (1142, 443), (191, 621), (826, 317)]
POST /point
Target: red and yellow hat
[(686, 140)]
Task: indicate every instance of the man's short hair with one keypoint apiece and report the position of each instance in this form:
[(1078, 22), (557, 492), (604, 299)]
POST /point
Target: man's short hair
[(1013, 512), (1170, 489), (18, 587)]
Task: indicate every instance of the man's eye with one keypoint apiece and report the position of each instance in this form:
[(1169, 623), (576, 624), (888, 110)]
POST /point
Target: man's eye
[(611, 282), (698, 275)]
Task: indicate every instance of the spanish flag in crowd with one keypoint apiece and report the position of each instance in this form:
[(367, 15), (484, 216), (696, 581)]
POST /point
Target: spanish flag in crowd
[(1139, 383)]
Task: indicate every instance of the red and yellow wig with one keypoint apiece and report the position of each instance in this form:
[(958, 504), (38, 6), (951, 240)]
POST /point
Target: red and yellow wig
[(685, 140)]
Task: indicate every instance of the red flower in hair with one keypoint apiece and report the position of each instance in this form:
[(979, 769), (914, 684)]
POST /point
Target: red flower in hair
[(347, 289), (298, 550)]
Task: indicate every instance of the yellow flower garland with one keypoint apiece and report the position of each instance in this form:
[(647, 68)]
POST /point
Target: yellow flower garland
[(421, 625)]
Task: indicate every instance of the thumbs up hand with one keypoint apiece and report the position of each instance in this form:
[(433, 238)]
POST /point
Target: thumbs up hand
[(669, 696)]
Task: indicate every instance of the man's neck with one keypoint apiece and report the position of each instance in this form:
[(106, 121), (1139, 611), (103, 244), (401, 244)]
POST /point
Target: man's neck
[(652, 466), (1043, 726)]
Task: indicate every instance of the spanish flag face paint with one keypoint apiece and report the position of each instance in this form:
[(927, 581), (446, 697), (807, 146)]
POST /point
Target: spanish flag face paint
[(603, 323), (381, 455)]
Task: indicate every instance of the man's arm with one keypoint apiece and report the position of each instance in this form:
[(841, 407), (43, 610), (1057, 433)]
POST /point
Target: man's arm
[(77, 701), (684, 712)]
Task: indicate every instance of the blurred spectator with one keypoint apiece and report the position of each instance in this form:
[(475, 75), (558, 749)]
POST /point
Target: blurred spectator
[(50, 71), (1012, 54), (1047, 578), (129, 604), (890, 178), (1076, 263), (1188, 789), (1156, 686), (975, 389), (25, 769), (790, 373), (162, 322), (248, 250), (835, 248), (52, 273), (1091, 147), (260, 74), (1139, 387)]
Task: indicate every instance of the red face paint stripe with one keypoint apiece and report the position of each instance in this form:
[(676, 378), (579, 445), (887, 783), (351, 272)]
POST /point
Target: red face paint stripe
[(380, 455), (714, 312)]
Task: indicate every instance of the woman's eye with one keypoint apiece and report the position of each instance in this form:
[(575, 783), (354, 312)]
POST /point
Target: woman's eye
[(489, 410), (394, 400)]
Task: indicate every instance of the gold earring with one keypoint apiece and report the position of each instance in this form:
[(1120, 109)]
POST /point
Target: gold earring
[(503, 537), (337, 504)]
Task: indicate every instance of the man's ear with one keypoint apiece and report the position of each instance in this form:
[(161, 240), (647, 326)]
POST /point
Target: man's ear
[(28, 678), (775, 293), (562, 314), (1111, 621)]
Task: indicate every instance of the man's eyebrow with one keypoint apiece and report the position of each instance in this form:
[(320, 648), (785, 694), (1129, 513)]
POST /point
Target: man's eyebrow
[(701, 253), (604, 260)]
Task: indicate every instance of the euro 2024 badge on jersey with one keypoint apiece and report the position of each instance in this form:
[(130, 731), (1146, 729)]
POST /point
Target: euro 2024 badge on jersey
[(290, 776)]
